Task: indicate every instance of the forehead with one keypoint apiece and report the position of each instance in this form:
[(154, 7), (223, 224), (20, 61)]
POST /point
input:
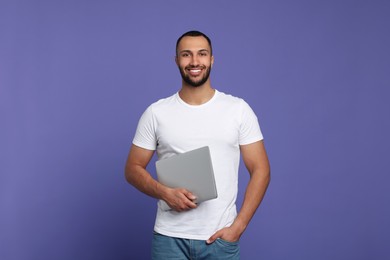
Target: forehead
[(193, 43)]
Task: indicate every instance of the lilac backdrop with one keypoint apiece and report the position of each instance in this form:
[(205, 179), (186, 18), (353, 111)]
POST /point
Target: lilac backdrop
[(76, 75)]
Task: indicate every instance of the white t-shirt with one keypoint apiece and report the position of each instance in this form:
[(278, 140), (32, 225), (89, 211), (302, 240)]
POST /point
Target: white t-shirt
[(172, 126)]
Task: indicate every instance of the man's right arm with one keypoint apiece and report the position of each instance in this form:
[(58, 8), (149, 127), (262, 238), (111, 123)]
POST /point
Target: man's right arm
[(137, 175)]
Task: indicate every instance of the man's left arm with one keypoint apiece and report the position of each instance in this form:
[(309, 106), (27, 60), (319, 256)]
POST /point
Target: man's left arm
[(256, 161)]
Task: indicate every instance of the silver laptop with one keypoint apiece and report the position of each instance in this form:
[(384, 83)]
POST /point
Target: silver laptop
[(191, 170)]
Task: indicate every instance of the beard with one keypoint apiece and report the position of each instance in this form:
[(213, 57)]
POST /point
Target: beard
[(187, 79)]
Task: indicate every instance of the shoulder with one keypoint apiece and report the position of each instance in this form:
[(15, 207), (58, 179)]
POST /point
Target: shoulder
[(236, 106), (233, 101), (162, 104)]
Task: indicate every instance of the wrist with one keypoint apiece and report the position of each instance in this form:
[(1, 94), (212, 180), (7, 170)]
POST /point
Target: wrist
[(239, 226), (162, 191)]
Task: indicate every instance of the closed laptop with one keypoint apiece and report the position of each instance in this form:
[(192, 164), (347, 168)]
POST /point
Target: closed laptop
[(191, 170)]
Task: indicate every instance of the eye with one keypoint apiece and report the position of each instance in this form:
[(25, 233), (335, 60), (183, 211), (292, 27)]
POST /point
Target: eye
[(185, 54)]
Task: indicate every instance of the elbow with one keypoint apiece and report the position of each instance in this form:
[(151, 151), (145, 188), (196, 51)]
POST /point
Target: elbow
[(267, 174), (128, 174), (268, 177)]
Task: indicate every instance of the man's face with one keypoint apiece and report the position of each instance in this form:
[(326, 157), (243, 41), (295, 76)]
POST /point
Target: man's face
[(194, 60)]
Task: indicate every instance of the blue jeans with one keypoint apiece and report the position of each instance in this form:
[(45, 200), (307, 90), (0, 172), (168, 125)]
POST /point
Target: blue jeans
[(167, 248)]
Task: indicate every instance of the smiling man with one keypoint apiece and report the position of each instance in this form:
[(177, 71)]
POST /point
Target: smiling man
[(199, 115), (195, 63)]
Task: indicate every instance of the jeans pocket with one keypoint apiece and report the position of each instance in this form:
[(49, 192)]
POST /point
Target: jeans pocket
[(227, 243), (230, 249)]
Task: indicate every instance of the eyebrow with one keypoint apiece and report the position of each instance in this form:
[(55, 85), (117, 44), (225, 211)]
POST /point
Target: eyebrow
[(201, 50)]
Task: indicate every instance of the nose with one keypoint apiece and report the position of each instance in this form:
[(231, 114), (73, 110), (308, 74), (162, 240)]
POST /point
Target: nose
[(194, 60)]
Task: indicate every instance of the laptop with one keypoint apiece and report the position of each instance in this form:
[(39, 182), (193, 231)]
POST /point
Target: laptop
[(191, 170)]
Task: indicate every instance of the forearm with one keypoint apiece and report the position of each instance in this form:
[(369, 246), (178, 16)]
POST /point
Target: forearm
[(178, 199), (141, 179), (254, 194)]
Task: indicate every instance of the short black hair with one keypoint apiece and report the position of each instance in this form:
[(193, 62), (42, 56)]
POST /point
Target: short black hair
[(195, 34)]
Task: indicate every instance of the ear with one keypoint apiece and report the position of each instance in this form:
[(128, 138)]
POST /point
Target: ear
[(176, 61), (212, 61)]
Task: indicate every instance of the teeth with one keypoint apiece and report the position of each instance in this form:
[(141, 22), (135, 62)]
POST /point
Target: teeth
[(195, 71)]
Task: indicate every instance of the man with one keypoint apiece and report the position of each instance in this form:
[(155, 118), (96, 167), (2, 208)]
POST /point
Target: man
[(197, 116)]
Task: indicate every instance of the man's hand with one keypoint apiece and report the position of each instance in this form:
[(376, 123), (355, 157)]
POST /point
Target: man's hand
[(179, 199), (226, 233), (230, 234)]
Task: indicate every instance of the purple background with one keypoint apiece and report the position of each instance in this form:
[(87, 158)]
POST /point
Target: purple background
[(76, 75)]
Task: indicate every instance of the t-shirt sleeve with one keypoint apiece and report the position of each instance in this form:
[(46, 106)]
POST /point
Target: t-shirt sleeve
[(145, 135), (250, 131)]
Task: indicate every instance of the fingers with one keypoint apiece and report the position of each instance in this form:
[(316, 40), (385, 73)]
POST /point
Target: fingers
[(189, 195), (181, 200), (214, 237), (227, 234), (189, 199)]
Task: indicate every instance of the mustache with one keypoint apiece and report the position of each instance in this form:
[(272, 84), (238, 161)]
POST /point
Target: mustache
[(195, 67)]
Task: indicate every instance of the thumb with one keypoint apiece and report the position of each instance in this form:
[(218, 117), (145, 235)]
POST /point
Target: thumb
[(213, 237)]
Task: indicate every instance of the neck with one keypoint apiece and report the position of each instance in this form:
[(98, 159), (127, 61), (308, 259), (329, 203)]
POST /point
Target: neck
[(196, 95)]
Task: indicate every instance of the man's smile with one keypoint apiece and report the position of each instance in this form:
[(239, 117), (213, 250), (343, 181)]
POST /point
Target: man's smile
[(194, 71)]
